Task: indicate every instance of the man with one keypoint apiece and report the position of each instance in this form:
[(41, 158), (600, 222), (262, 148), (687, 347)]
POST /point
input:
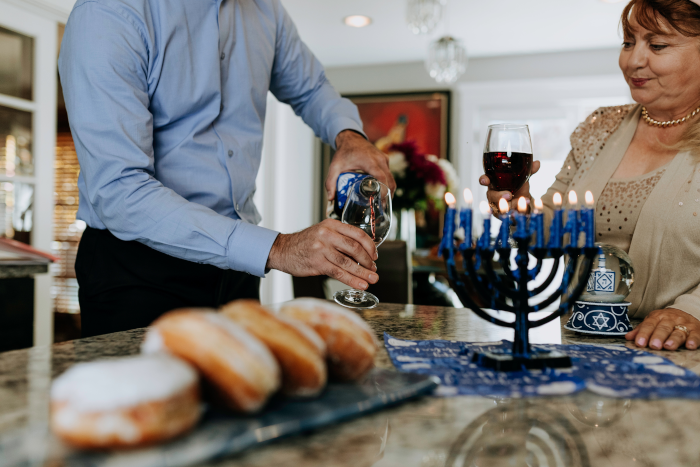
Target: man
[(166, 101)]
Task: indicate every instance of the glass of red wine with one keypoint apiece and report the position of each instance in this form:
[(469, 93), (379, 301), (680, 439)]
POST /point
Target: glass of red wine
[(368, 207), (508, 156)]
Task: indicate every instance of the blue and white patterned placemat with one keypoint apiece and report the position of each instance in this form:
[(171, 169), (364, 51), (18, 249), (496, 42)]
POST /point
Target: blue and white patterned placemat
[(608, 370)]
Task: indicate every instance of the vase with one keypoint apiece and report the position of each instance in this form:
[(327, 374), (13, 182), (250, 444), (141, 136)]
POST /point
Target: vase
[(405, 227)]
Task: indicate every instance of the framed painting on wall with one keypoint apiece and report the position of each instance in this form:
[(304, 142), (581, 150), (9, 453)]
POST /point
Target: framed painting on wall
[(422, 118)]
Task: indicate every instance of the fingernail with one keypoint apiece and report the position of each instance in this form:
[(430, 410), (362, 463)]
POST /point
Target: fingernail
[(641, 341), (373, 278), (669, 343), (507, 196), (482, 180), (376, 255), (374, 266), (690, 344), (656, 343), (363, 285)]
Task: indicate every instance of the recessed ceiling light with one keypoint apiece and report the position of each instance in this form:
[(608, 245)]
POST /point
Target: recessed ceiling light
[(357, 21)]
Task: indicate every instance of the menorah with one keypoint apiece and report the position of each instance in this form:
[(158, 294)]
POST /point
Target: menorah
[(510, 290)]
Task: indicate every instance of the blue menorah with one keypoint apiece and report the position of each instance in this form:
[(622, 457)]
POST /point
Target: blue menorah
[(509, 291)]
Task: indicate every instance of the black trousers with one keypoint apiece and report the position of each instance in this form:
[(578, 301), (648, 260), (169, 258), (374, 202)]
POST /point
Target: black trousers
[(127, 285)]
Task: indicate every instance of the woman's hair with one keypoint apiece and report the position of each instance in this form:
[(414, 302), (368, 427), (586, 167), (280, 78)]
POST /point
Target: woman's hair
[(657, 16)]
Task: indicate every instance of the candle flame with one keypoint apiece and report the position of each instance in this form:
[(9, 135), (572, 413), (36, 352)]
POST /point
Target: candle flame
[(538, 204), (589, 199), (468, 198), (503, 206), (522, 205), (485, 209), (557, 199), (450, 199), (573, 199)]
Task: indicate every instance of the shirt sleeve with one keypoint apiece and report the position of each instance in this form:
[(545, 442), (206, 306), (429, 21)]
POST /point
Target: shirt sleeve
[(298, 79), (103, 66), (688, 302)]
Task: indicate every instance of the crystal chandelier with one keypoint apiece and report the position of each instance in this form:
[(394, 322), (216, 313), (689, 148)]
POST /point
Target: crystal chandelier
[(423, 15), (447, 60)]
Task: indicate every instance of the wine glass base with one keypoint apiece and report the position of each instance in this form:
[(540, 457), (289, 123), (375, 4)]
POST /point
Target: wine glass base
[(353, 298)]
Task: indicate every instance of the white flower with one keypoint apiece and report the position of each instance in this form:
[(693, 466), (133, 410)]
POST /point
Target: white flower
[(450, 173), (398, 163), (435, 190)]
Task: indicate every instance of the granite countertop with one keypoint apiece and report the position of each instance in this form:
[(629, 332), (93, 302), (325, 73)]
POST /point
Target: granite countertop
[(582, 430)]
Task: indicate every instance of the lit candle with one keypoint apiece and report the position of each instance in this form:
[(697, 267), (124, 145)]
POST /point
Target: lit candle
[(555, 232), (538, 219), (521, 231), (572, 223), (449, 228), (589, 220), (485, 239), (465, 217), (505, 223)]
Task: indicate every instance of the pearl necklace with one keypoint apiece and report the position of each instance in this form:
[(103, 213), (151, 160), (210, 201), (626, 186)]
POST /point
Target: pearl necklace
[(652, 122)]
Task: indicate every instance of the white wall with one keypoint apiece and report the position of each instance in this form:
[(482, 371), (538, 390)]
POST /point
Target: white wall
[(287, 185)]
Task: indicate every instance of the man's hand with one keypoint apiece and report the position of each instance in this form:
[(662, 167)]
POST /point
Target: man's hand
[(329, 248), (356, 153)]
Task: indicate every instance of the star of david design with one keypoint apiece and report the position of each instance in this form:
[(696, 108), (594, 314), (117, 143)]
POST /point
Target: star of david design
[(602, 318)]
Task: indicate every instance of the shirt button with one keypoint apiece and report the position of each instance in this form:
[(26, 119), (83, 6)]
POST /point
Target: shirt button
[(230, 152), (223, 55)]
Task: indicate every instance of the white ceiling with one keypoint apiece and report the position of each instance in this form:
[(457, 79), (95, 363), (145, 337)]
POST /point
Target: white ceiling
[(488, 28)]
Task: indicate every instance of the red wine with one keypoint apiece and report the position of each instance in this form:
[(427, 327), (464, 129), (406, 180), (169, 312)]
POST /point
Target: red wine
[(507, 173), (372, 219)]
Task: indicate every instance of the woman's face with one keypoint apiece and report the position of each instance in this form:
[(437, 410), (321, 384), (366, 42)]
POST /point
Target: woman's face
[(662, 71)]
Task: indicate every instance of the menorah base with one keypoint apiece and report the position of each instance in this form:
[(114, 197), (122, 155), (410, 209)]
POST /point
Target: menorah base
[(537, 360)]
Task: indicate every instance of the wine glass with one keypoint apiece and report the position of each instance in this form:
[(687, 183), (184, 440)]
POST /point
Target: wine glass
[(508, 156), (367, 207)]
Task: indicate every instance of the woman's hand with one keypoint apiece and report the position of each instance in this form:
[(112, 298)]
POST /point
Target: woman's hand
[(495, 196), (658, 331)]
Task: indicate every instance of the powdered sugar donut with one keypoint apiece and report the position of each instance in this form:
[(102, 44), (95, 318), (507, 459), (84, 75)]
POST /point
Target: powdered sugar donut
[(125, 402), (239, 366), (350, 342), (300, 352)]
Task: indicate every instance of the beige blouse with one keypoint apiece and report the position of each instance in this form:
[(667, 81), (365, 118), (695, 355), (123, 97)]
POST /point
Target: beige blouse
[(619, 206), (665, 242)]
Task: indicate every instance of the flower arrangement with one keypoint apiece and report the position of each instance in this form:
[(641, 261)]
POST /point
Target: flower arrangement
[(420, 178)]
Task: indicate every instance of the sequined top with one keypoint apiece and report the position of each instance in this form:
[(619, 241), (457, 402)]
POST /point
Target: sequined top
[(619, 206)]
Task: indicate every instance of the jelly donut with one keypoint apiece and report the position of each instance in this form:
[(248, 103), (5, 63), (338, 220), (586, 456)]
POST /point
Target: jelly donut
[(350, 342), (300, 352), (240, 368), (125, 402)]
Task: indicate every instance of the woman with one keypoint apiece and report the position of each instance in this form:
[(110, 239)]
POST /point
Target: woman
[(640, 163)]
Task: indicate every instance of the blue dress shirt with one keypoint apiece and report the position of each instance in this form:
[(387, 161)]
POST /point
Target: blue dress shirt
[(166, 101)]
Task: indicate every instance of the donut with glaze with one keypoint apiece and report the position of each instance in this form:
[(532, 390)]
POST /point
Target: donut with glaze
[(239, 367), (299, 350), (350, 342), (125, 402)]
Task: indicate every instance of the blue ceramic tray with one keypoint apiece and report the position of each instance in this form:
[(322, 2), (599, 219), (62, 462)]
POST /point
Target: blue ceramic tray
[(221, 433)]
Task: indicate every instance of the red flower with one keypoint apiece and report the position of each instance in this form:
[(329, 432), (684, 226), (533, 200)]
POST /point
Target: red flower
[(423, 168)]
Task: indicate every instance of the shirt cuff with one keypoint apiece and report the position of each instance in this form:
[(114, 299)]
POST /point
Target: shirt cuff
[(248, 248), (342, 124)]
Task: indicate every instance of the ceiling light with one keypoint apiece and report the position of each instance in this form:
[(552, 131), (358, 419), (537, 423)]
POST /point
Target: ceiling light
[(357, 21), (447, 59)]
